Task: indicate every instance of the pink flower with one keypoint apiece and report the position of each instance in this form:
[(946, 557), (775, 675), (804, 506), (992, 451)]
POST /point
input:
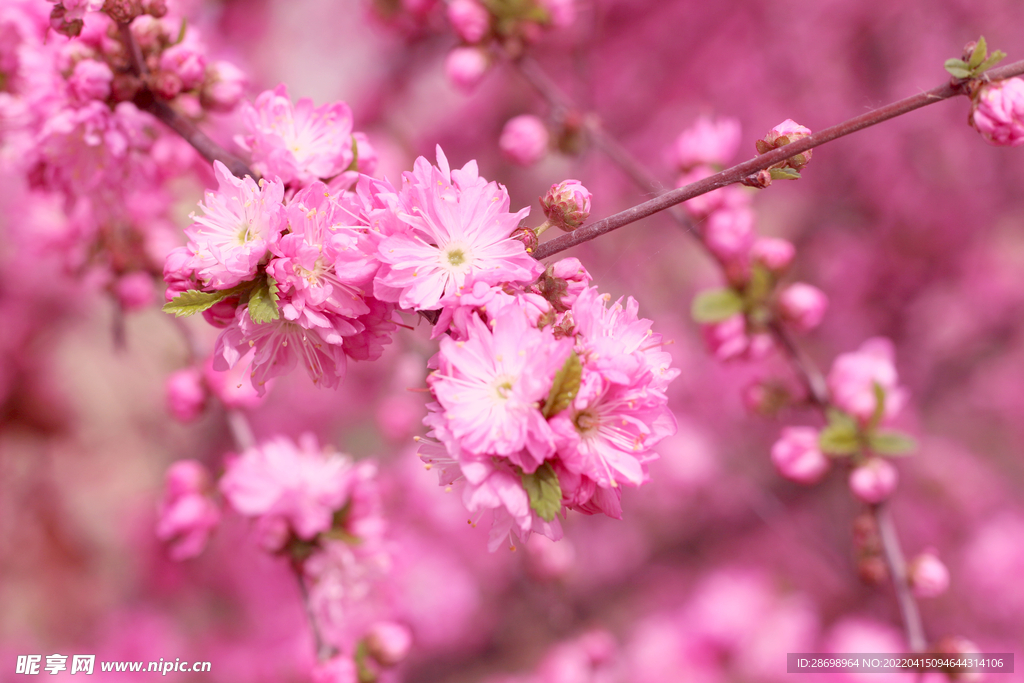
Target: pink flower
[(187, 62), (491, 384), (187, 515), (854, 376), (728, 339), (470, 19), (460, 227), (90, 80), (301, 485), (186, 394), (998, 112), (773, 253), (567, 205), (388, 642), (729, 234), (874, 481), (337, 669), (802, 306), (240, 222), (135, 291), (928, 576), (465, 67), (524, 140), (223, 87), (707, 142), (786, 132), (299, 143), (798, 457)]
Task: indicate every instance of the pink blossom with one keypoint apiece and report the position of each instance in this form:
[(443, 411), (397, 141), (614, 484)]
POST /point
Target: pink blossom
[(802, 306), (728, 339), (90, 80), (789, 129), (874, 481), (567, 205), (729, 234), (928, 576), (707, 142), (798, 457), (223, 86), (524, 140), (388, 642), (186, 394), (187, 514), (854, 376), (337, 669), (465, 67), (135, 291), (299, 143), (299, 484), (187, 62), (998, 112), (561, 13), (470, 19), (773, 253), (240, 222), (459, 227), (232, 386)]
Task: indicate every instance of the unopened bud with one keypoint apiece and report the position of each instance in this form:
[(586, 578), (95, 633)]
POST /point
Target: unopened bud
[(527, 236), (874, 481), (470, 19), (154, 8), (998, 112), (773, 253), (567, 205), (928, 575), (61, 23), (165, 84), (186, 394), (872, 570), (122, 11), (798, 456), (388, 642), (465, 67), (802, 306), (135, 291), (524, 140), (786, 132)]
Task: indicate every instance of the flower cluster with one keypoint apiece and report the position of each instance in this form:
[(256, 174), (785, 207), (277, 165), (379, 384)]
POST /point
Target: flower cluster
[(546, 399)]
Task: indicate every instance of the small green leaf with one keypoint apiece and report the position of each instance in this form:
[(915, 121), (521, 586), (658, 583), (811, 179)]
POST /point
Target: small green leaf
[(958, 68), (892, 442), (876, 417), (993, 59), (263, 301), (784, 174), (978, 55), (544, 491), (354, 166), (761, 284), (839, 439), (364, 672), (194, 301), (565, 386), (715, 305)]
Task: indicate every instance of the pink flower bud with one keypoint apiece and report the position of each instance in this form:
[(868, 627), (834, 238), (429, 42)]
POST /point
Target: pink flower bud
[(854, 376), (222, 313), (567, 204), (470, 19), (998, 112), (187, 515), (338, 669), (728, 339), (165, 84), (528, 236), (798, 457), (185, 477), (561, 13), (707, 142), (729, 234), (90, 80), (786, 132), (223, 87), (186, 394), (388, 642), (874, 481), (928, 576), (802, 306), (773, 253), (186, 62), (465, 67), (524, 140), (135, 291)]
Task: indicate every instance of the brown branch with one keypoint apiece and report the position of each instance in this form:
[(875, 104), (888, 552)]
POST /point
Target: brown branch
[(898, 571), (748, 168)]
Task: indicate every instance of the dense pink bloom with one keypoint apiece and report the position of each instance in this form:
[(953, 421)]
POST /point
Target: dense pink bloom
[(707, 143), (854, 376), (524, 139), (802, 306), (187, 514), (239, 223), (299, 484), (186, 394), (928, 576), (874, 481), (298, 143), (187, 62), (797, 455), (459, 226), (90, 80), (998, 112), (567, 204), (470, 19)]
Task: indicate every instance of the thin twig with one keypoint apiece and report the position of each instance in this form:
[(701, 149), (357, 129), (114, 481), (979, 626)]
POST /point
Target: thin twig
[(747, 168), (898, 571), (324, 650)]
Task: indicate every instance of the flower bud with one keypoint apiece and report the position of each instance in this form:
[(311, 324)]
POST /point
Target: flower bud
[(90, 80), (728, 339), (186, 62), (729, 234), (928, 576), (874, 481), (524, 140), (187, 515), (165, 84), (855, 377), (470, 19), (122, 11), (388, 642), (135, 291), (223, 87), (798, 457), (786, 132), (186, 394), (185, 477), (465, 67), (527, 236), (998, 112), (773, 253), (707, 142), (802, 306), (567, 205)]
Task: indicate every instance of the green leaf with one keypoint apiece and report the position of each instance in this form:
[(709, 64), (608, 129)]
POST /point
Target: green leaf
[(761, 284), (993, 59), (194, 301), (263, 301), (978, 55), (715, 305), (544, 491), (958, 68), (565, 387), (892, 442), (784, 174), (364, 672), (839, 439), (876, 417)]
